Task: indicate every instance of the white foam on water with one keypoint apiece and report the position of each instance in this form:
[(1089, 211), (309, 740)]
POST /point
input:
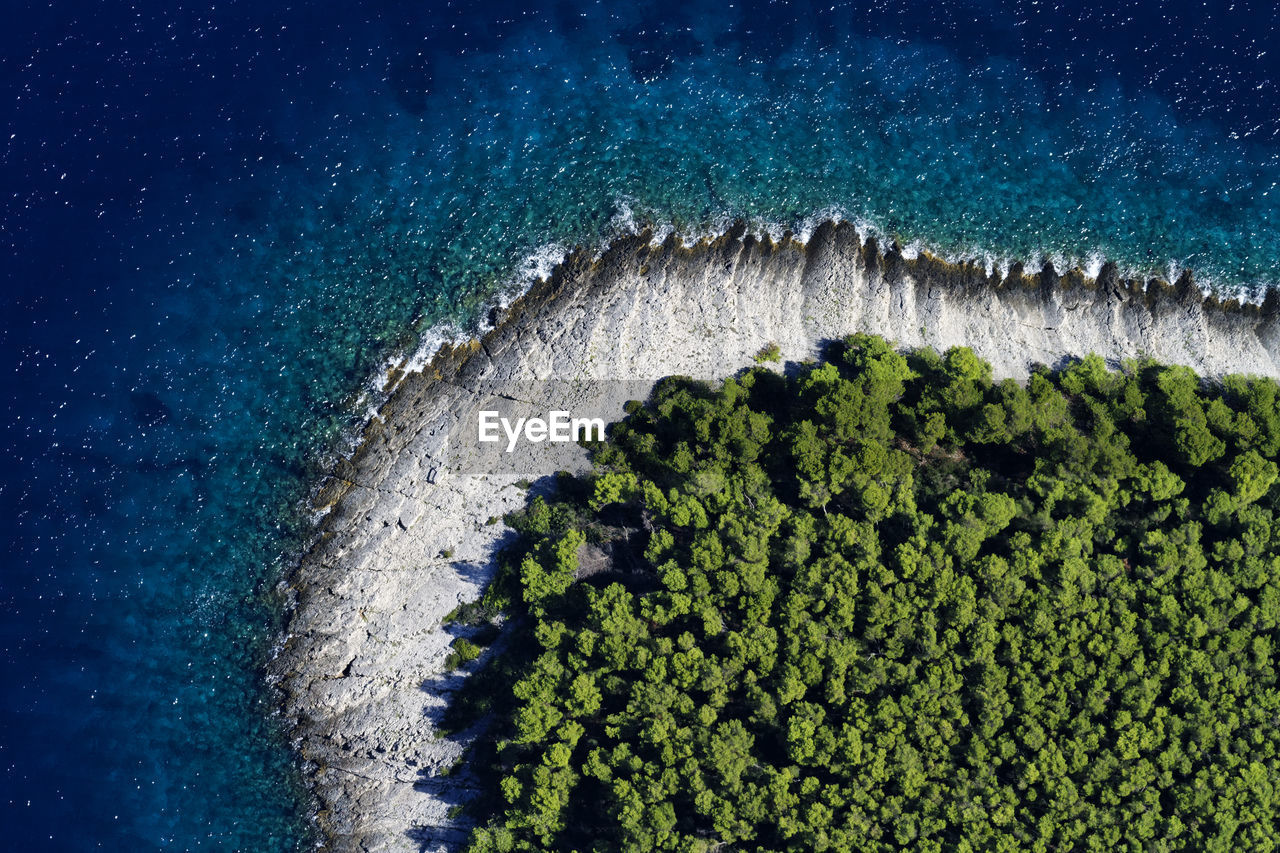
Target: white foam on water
[(316, 517), (717, 226), (541, 263), (430, 343), (538, 265), (1092, 265), (869, 229), (774, 230), (1255, 293), (623, 220), (381, 379), (805, 228), (1061, 263), (661, 232), (991, 262)]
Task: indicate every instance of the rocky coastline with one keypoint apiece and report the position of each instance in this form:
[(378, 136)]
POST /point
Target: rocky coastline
[(403, 537)]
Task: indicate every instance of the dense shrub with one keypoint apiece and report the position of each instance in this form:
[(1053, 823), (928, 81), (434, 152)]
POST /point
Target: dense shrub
[(890, 604)]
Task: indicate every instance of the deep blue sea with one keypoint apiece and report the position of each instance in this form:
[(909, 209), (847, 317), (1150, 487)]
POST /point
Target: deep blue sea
[(218, 221)]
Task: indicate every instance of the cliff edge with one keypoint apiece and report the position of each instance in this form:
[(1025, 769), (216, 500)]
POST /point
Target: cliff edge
[(404, 537)]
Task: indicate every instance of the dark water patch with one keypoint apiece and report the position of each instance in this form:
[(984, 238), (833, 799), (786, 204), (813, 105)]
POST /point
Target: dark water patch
[(653, 52)]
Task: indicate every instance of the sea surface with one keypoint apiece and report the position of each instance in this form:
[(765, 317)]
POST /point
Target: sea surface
[(220, 221)]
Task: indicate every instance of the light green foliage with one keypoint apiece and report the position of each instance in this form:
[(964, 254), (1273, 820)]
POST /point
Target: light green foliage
[(889, 604), (546, 575), (1252, 476), (770, 352), (1157, 482), (613, 487)]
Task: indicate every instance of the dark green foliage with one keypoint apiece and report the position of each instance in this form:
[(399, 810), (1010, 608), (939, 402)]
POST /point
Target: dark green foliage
[(890, 604), (471, 614), (464, 652)]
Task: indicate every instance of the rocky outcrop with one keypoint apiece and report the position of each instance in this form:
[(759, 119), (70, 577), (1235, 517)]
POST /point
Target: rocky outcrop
[(406, 537)]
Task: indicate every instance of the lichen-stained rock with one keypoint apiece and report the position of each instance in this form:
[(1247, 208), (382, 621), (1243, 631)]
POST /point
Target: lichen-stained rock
[(404, 538)]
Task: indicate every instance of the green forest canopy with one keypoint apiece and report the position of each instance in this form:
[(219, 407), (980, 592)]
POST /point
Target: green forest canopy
[(887, 603)]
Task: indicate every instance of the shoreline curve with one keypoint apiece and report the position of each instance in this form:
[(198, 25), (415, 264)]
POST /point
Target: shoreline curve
[(401, 538)]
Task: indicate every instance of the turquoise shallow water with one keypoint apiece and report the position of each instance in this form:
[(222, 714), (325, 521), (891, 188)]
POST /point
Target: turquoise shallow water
[(177, 385)]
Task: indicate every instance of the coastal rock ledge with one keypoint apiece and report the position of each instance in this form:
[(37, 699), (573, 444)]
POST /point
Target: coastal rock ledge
[(403, 539)]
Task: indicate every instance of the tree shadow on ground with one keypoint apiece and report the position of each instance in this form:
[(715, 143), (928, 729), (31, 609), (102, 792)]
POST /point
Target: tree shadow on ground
[(456, 786)]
